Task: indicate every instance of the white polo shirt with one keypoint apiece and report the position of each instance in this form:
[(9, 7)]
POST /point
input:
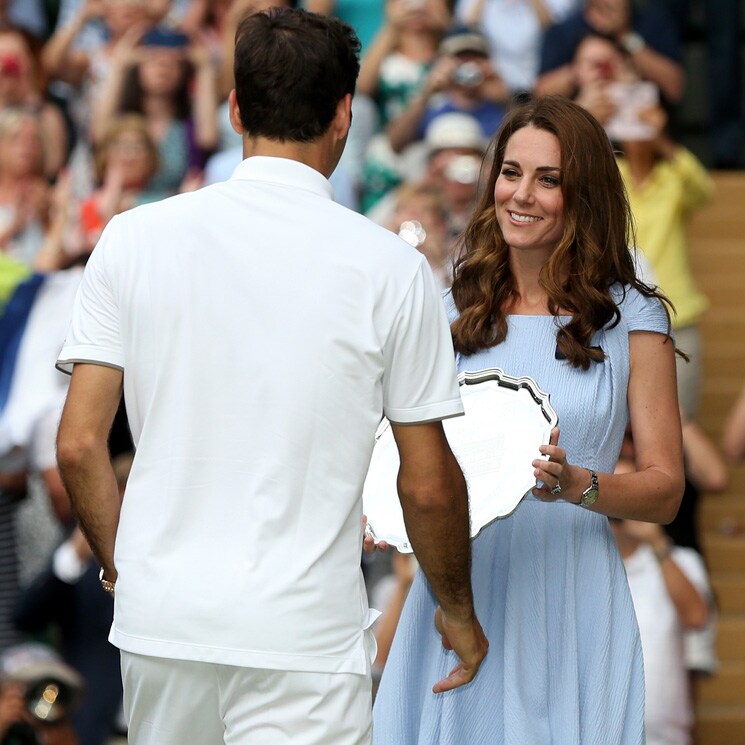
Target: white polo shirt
[(263, 331)]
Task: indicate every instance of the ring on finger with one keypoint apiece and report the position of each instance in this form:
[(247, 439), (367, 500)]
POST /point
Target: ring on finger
[(556, 489)]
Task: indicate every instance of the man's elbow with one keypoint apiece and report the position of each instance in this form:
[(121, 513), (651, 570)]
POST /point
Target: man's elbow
[(74, 448), (433, 496)]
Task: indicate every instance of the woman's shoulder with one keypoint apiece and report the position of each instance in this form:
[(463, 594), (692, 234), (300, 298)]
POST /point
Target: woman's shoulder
[(640, 312)]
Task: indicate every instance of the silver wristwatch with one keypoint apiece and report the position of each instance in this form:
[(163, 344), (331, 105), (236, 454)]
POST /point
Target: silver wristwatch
[(590, 495)]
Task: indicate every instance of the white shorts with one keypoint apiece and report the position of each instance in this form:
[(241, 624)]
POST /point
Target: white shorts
[(174, 702)]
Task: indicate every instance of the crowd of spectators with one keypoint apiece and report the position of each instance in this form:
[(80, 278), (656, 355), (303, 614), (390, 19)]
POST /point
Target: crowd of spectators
[(109, 104)]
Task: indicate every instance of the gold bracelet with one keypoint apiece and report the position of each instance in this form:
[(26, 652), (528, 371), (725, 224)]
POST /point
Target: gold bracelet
[(107, 586)]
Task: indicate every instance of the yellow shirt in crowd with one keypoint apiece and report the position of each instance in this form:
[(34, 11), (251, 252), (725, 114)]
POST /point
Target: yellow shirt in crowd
[(662, 206)]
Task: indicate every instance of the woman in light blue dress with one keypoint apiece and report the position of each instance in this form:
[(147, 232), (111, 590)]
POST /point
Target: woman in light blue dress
[(546, 288)]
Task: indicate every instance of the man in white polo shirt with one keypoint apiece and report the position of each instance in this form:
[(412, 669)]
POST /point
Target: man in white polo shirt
[(259, 332)]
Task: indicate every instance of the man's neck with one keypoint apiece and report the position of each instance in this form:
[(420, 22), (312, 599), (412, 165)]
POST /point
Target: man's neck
[(318, 154)]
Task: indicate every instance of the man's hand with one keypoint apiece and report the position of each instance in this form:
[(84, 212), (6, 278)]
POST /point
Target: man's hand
[(467, 640)]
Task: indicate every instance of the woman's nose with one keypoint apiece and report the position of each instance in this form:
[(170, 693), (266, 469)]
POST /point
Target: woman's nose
[(523, 192)]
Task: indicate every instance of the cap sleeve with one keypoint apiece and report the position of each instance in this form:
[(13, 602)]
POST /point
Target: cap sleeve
[(641, 313)]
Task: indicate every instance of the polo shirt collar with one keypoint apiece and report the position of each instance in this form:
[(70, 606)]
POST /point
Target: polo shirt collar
[(283, 171)]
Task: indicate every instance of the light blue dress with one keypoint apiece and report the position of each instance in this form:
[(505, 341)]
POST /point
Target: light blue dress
[(564, 664)]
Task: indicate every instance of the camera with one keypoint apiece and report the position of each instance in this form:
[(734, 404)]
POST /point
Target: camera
[(52, 689), (468, 74)]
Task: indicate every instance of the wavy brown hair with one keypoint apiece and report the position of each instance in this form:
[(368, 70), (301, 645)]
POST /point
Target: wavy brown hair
[(591, 255)]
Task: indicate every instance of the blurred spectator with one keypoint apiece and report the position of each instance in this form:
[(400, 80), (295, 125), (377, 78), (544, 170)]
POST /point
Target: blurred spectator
[(455, 147), (12, 492), (364, 16), (24, 191), (85, 66), (20, 88), (647, 35), (734, 431), (419, 218), (126, 161), (38, 692), (598, 63), (671, 593), (722, 26), (30, 16), (515, 30), (395, 66), (666, 183), (461, 80), (67, 598), (454, 150), (152, 76)]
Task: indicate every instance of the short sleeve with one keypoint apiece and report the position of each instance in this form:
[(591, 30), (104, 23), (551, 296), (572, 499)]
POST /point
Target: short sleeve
[(641, 313), (94, 334), (420, 382)]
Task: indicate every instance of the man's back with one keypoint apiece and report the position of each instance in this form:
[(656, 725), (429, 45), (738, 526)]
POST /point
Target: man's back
[(264, 329)]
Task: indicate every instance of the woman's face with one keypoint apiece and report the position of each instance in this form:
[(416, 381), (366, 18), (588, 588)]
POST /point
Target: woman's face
[(129, 154), (21, 149), (161, 70), (15, 67), (527, 194)]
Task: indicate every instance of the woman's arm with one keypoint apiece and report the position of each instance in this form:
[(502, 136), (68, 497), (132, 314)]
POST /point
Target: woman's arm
[(704, 465), (58, 58), (385, 42), (654, 491), (108, 102), (691, 606), (204, 98)]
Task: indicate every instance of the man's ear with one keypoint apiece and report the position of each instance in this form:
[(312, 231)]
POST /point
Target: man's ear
[(235, 113), (343, 116)]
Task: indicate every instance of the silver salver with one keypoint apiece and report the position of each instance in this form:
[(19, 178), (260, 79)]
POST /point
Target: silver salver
[(506, 420)]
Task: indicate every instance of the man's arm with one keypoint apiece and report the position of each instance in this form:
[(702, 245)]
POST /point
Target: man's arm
[(83, 456), (434, 500)]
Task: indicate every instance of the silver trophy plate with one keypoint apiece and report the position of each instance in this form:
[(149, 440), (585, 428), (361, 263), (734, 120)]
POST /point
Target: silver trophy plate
[(506, 420)]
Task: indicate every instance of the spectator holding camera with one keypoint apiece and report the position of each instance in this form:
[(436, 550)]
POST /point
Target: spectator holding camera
[(170, 80), (598, 63), (38, 692), (647, 35), (461, 80), (515, 30)]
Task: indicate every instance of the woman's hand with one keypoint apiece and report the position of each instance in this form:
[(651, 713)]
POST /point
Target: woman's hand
[(556, 475)]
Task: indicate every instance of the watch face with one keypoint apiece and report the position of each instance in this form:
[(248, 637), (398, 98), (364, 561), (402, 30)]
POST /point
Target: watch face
[(590, 497)]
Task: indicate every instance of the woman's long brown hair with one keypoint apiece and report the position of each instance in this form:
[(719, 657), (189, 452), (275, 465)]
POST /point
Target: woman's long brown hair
[(592, 254)]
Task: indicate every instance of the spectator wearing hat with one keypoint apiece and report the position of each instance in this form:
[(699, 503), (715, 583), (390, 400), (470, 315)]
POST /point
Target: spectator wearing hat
[(454, 147), (461, 80)]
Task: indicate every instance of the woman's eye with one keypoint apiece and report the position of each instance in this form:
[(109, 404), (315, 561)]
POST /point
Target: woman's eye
[(509, 172), (551, 181)]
